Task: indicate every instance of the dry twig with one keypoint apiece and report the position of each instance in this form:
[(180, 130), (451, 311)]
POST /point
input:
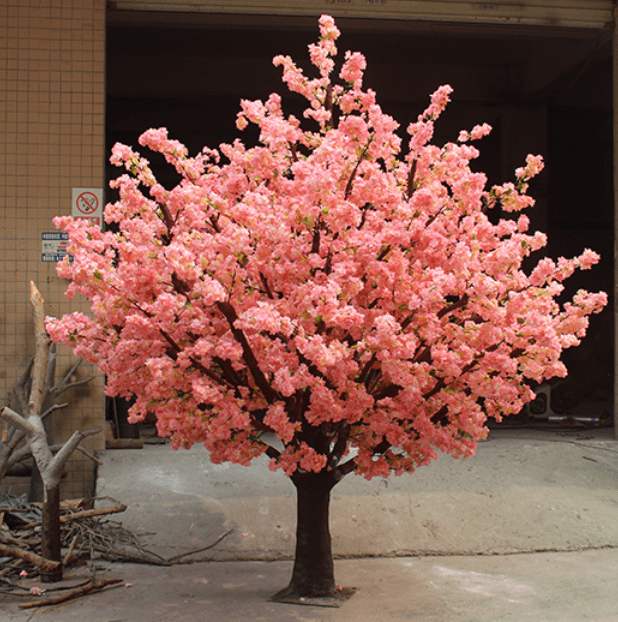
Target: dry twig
[(76, 592), (67, 518)]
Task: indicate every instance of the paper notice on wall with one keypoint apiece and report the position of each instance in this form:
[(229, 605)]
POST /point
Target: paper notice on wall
[(87, 204), (54, 246)]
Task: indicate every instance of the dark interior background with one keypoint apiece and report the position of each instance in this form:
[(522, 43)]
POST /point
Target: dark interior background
[(546, 91)]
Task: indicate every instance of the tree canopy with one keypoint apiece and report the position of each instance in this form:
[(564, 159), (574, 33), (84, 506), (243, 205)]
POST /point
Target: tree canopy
[(333, 286)]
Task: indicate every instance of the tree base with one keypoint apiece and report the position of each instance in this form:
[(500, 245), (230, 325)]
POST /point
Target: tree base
[(51, 576), (340, 596)]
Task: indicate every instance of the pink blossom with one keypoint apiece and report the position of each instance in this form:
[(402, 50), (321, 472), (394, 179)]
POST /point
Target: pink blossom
[(331, 285), (478, 131), (353, 68), (588, 259), (328, 29), (534, 165)]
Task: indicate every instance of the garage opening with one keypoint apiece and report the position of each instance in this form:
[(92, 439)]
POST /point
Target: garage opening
[(544, 90)]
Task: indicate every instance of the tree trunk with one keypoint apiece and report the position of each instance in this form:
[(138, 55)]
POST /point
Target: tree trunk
[(50, 534), (36, 489), (313, 574)]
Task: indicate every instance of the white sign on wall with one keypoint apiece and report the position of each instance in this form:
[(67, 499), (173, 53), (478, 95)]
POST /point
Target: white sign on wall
[(87, 204), (54, 246)]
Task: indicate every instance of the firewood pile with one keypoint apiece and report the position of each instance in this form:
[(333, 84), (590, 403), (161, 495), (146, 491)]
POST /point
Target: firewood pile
[(86, 535)]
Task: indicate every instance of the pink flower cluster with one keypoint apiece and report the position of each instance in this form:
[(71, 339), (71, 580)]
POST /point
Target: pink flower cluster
[(326, 286)]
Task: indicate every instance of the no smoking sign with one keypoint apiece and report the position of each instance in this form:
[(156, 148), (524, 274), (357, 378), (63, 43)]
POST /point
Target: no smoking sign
[(87, 204)]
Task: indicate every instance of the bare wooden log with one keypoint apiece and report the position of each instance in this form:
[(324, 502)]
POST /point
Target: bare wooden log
[(124, 443), (50, 534), (12, 437), (33, 558), (49, 466)]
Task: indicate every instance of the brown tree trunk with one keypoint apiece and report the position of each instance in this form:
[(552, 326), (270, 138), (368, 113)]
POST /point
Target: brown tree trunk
[(313, 574), (50, 534)]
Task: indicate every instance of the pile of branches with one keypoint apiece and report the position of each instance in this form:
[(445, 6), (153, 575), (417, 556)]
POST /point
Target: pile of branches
[(85, 536)]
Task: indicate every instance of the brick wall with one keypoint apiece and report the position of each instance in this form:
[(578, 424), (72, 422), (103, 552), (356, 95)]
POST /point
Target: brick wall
[(52, 98)]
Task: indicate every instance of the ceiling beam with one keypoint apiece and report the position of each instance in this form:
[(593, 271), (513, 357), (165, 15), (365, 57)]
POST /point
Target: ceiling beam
[(594, 14)]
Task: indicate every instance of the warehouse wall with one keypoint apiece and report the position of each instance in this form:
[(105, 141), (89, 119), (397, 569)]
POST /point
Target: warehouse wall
[(52, 70)]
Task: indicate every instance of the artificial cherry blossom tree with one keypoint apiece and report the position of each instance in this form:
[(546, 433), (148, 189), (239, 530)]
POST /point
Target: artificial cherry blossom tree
[(332, 287)]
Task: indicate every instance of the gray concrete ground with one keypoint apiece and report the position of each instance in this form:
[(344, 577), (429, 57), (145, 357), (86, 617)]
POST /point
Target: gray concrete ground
[(525, 530)]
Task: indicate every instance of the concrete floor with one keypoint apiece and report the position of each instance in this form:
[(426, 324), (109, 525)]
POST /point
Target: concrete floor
[(525, 530), (523, 491), (537, 587)]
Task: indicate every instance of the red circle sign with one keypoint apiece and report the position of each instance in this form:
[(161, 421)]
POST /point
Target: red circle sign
[(87, 203)]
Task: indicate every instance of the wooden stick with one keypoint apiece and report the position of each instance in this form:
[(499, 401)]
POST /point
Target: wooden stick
[(18, 542), (74, 593), (33, 558), (67, 557), (112, 509), (124, 443), (67, 518), (89, 455), (177, 557)]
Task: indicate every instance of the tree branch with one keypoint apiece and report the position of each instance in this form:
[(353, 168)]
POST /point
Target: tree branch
[(328, 105), (412, 174), (340, 446), (91, 586), (315, 243), (361, 157), (17, 421), (462, 302), (230, 315), (266, 286), (22, 390), (39, 369), (272, 452), (52, 474), (343, 469), (65, 384), (53, 408)]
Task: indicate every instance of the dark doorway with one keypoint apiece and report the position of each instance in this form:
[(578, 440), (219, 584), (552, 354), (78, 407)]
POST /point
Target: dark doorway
[(544, 90)]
